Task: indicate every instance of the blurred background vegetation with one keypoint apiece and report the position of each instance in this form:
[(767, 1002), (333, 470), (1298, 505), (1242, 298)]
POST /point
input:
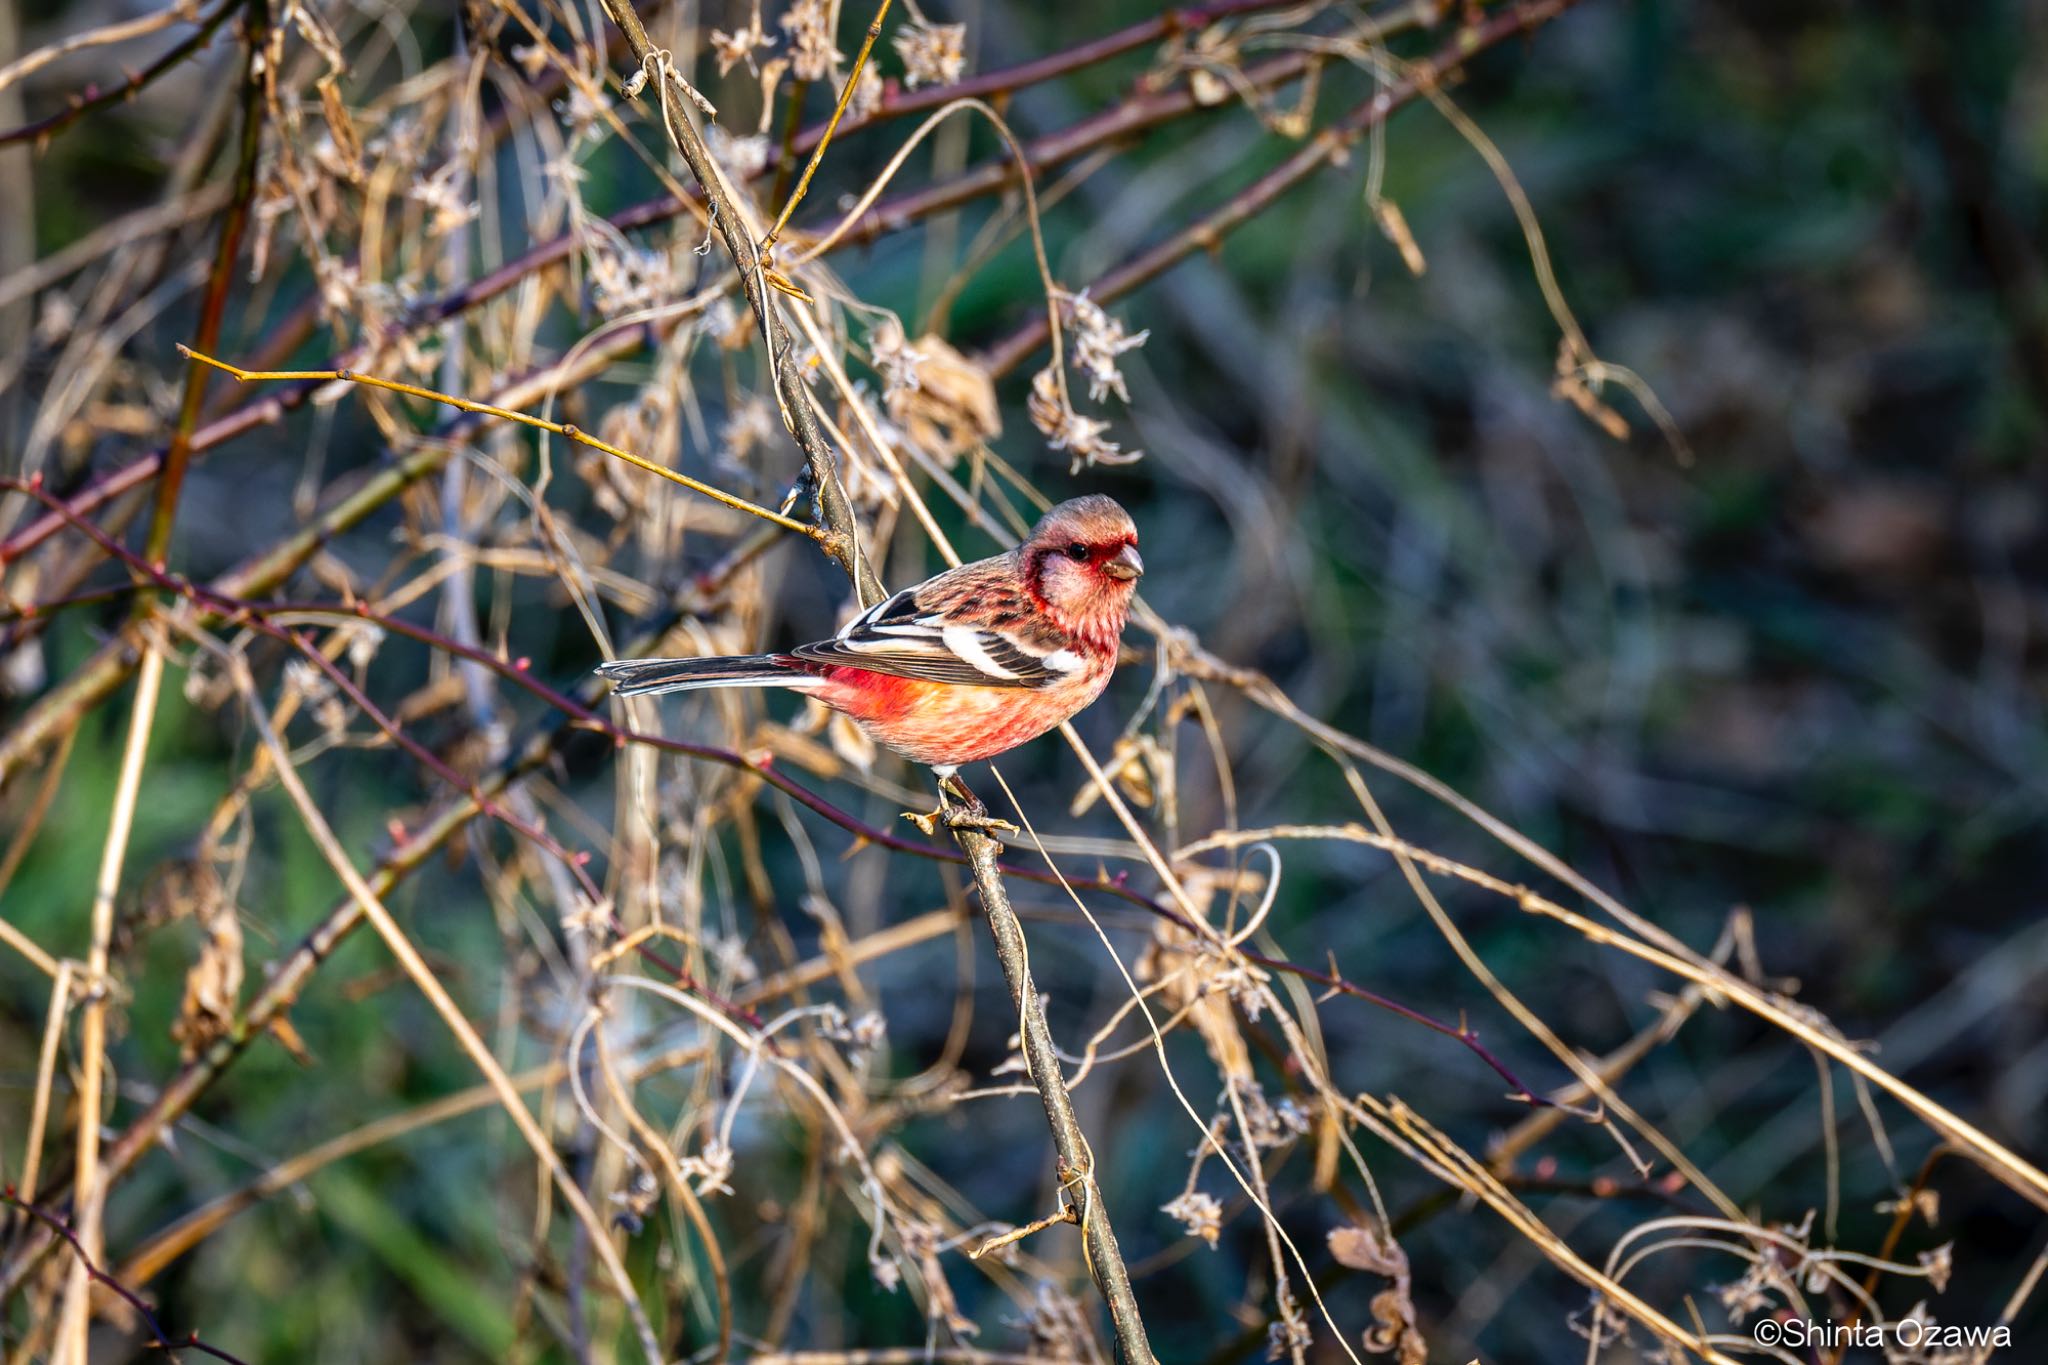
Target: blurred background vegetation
[(1801, 673)]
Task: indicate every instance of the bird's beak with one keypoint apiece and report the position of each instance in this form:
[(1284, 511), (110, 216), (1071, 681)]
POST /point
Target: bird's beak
[(1126, 565)]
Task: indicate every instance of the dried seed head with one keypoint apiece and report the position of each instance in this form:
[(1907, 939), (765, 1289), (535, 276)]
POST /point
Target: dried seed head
[(711, 1168), (813, 55), (442, 195), (740, 45), (951, 408), (1064, 429), (1098, 340), (893, 357), (1198, 1214), (933, 54)]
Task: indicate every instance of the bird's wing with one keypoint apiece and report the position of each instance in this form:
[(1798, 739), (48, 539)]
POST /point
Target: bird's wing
[(972, 625)]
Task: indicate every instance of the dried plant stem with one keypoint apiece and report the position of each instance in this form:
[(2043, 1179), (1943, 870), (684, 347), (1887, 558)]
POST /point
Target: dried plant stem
[(28, 948), (423, 976), (105, 36), (839, 535), (1077, 1161), (803, 184), (1645, 940), (1469, 1174), (232, 224), (1030, 1229), (663, 1158), (169, 1243), (46, 1073), (89, 1197)]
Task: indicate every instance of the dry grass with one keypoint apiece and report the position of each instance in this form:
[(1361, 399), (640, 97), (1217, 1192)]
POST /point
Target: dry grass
[(682, 1018)]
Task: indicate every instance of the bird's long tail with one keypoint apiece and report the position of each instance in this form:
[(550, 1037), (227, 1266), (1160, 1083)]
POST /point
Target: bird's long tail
[(642, 677)]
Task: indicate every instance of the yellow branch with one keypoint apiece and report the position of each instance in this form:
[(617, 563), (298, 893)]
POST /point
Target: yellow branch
[(562, 429)]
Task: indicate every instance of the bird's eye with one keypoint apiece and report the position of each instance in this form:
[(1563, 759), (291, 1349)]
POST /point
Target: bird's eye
[(1077, 552)]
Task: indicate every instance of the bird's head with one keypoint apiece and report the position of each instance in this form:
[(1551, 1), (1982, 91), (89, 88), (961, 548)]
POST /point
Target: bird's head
[(1082, 562)]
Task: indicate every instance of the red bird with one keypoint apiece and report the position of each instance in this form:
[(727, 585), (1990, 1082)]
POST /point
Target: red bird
[(966, 665)]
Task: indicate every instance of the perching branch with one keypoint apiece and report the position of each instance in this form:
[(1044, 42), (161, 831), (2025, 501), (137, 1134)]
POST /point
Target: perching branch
[(1077, 1160)]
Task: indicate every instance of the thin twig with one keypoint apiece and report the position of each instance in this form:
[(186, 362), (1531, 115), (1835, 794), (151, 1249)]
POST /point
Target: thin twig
[(121, 31), (429, 984), (1326, 146), (803, 184), (472, 406)]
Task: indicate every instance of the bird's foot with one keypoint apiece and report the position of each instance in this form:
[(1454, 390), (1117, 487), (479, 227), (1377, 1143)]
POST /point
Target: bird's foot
[(977, 819), (960, 809)]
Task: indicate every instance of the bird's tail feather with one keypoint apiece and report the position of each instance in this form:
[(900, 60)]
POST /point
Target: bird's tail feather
[(642, 677)]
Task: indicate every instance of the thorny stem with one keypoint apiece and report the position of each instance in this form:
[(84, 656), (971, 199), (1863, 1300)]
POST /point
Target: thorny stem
[(97, 679), (161, 1339), (834, 512), (1077, 1161), (258, 619), (94, 98)]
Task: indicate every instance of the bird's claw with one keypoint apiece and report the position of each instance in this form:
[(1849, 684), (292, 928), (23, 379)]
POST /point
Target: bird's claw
[(960, 809), (977, 818)]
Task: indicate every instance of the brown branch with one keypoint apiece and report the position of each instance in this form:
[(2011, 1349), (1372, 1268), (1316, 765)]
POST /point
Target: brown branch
[(102, 674), (1119, 123), (178, 455), (1076, 1160)]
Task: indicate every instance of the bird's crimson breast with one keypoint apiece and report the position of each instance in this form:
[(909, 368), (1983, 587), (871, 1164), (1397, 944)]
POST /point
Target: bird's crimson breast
[(952, 723)]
